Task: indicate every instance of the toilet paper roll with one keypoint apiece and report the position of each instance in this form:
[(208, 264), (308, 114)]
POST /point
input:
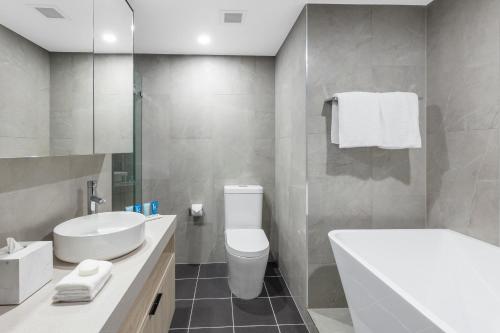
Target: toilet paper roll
[(196, 210)]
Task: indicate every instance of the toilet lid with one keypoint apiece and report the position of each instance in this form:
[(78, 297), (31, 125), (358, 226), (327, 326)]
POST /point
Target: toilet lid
[(248, 243)]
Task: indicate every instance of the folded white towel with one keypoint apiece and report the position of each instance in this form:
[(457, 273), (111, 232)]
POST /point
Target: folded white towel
[(356, 120), (399, 121), (77, 288)]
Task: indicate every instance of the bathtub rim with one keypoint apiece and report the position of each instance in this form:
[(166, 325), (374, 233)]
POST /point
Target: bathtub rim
[(332, 235)]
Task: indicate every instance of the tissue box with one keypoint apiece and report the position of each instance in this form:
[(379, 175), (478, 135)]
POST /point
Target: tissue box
[(24, 272)]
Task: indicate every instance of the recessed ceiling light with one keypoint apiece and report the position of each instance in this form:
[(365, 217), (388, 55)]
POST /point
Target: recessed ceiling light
[(204, 39), (109, 37)]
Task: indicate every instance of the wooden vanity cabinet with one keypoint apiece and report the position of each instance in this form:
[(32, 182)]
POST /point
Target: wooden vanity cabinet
[(154, 307)]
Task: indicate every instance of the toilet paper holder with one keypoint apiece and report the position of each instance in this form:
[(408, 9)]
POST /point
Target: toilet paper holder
[(196, 210)]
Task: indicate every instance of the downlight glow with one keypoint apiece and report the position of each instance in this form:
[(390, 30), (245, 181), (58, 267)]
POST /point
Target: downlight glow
[(109, 37), (204, 39)]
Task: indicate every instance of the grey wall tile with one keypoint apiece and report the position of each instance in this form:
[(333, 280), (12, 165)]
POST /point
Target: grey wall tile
[(24, 96), (39, 193), (463, 63), (290, 152), (113, 103), (71, 104), (208, 121), (359, 48)]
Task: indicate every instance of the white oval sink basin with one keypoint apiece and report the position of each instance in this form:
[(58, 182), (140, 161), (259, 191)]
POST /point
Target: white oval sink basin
[(101, 236)]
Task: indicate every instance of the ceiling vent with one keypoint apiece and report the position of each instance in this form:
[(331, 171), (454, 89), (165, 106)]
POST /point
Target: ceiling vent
[(49, 12), (233, 17)]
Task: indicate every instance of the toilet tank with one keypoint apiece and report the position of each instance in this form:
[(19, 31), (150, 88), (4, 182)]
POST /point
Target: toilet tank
[(243, 206)]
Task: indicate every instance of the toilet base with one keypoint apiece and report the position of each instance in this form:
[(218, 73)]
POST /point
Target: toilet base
[(246, 275)]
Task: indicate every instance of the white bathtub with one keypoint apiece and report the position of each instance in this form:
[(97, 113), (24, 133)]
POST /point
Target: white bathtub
[(418, 281)]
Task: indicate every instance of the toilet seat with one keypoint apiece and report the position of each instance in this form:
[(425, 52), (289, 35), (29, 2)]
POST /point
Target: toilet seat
[(247, 243)]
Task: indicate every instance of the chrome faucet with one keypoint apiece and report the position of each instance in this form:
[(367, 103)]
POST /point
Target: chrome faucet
[(92, 199)]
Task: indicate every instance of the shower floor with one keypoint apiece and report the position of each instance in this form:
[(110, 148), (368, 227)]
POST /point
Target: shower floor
[(204, 303)]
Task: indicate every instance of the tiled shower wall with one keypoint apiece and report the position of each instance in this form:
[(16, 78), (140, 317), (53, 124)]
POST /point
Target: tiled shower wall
[(291, 161), (208, 121), (463, 58), (363, 48)]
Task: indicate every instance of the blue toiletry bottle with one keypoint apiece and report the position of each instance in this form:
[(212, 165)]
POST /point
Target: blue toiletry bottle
[(154, 207), (138, 208)]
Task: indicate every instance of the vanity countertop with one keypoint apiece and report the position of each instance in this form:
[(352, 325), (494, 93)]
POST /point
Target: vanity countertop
[(108, 310)]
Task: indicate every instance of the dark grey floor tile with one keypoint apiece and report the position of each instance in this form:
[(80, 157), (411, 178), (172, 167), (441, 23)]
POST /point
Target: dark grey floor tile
[(186, 271), (293, 329), (212, 330), (257, 329), (176, 330), (286, 311), (252, 312), (213, 288), (276, 286), (263, 293), (272, 269), (213, 270), (181, 314), (211, 313), (184, 289)]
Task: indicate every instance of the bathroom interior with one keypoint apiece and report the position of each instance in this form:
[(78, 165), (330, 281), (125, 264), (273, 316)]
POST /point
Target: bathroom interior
[(249, 166)]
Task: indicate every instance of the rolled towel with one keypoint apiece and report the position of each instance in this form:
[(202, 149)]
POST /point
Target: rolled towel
[(77, 288)]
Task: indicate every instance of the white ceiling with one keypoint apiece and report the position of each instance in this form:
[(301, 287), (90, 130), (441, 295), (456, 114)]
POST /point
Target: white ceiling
[(164, 26), (172, 26), (74, 33)]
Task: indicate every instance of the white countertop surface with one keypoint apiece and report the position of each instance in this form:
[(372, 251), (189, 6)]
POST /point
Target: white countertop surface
[(107, 311)]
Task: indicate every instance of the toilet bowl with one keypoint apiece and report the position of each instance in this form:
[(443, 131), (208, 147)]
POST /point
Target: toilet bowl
[(247, 253), (247, 247)]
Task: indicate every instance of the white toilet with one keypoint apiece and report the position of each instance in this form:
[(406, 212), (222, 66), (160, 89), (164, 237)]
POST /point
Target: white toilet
[(247, 246)]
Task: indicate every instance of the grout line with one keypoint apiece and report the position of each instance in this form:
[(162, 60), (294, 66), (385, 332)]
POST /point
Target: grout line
[(192, 304), (232, 309), (272, 309), (236, 326), (205, 263), (223, 277), (295, 303), (208, 298)]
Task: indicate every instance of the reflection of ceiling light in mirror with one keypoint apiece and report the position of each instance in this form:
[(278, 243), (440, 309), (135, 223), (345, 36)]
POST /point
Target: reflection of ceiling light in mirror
[(109, 37), (204, 39)]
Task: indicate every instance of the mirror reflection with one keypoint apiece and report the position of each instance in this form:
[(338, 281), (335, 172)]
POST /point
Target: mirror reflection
[(66, 78), (46, 78), (113, 77)]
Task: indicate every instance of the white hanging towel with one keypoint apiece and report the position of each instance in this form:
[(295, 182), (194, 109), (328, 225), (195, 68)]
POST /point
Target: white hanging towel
[(399, 120), (356, 120)]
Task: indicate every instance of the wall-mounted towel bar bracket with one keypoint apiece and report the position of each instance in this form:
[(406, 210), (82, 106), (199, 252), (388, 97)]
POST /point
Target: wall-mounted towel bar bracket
[(335, 99)]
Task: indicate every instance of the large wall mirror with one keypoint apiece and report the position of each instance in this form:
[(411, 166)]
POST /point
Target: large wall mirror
[(66, 77)]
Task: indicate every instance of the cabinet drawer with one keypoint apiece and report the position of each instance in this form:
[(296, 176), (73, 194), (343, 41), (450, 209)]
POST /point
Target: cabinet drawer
[(162, 309), (161, 274)]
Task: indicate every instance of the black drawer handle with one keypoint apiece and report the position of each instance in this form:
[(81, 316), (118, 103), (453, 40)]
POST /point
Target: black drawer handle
[(155, 304)]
